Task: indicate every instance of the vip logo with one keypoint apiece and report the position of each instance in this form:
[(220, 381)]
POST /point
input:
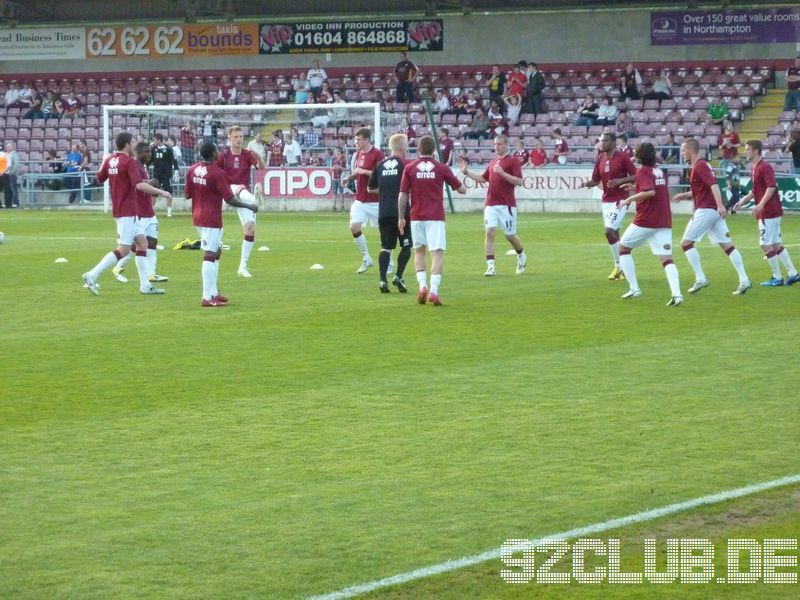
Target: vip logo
[(426, 166), (200, 171)]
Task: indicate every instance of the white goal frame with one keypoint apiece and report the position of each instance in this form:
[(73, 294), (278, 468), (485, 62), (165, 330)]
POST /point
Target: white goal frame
[(110, 109)]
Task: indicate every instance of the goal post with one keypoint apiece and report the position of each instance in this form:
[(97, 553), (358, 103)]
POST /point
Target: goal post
[(334, 123)]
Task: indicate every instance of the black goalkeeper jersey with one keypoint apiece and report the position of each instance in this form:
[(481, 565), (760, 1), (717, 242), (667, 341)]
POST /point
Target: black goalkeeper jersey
[(386, 177), (163, 161)]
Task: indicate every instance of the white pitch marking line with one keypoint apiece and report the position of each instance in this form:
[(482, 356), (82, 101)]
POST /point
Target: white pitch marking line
[(641, 517)]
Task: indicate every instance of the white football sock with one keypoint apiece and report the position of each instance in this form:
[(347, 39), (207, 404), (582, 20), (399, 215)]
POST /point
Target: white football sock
[(208, 279), (142, 267), (422, 279), (672, 277), (615, 253), (787, 262), (738, 264), (435, 281), (108, 261), (627, 266), (169, 211), (123, 262), (152, 260), (693, 256), (490, 262), (361, 242), (215, 281), (775, 265), (247, 248)]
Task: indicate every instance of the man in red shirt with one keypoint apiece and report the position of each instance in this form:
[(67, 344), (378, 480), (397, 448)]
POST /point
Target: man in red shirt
[(275, 147), (539, 154), (364, 210), (729, 145), (422, 182), (125, 180), (768, 211), (503, 174), (517, 82), (522, 154), (446, 146), (561, 150), (237, 161), (653, 223), (708, 219), (207, 186), (792, 99), (613, 169)]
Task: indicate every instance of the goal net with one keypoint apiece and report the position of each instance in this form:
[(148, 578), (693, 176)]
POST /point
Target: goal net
[(318, 128)]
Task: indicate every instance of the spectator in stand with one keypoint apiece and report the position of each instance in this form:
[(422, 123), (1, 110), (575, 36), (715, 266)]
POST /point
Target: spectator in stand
[(12, 95), (473, 103), (463, 158), (670, 151), (521, 154), (446, 146), (276, 150), (622, 146), (145, 98), (210, 128), (35, 107), (717, 111), (479, 129), (442, 104), (729, 144), (226, 94), (291, 151), (316, 77), (607, 113), (497, 85), (630, 84), (338, 166), (405, 72), (325, 95), (86, 166), (256, 146), (9, 178), (339, 115), (25, 96), (51, 106), (534, 90), (561, 150), (792, 99), (188, 143), (74, 107), (458, 104), (381, 100), (734, 184), (176, 150), (55, 166), (497, 120), (661, 88), (72, 165), (538, 154), (408, 131), (625, 125), (513, 108), (517, 82), (310, 138), (302, 89), (793, 147), (588, 112)]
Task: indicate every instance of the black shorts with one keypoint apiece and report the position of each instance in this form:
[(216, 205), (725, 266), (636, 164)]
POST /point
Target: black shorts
[(390, 234), (165, 182)]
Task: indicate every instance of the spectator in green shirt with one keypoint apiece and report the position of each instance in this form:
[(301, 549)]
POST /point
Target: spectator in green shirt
[(718, 111)]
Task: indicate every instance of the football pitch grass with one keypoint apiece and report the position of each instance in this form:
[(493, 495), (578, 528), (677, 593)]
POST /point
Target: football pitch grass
[(316, 434)]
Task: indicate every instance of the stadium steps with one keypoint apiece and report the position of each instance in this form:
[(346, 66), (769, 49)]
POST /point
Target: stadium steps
[(765, 115)]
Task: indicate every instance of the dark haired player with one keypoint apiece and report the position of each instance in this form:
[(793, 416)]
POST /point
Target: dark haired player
[(652, 223), (385, 181), (207, 187), (125, 179), (164, 165)]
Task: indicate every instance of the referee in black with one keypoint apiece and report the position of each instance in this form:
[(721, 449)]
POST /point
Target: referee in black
[(164, 165), (385, 181)]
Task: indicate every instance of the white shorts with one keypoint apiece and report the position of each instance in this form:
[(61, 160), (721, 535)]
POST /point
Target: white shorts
[(613, 215), (126, 230), (501, 216), (245, 214), (147, 226), (429, 234), (210, 238), (660, 239), (769, 231), (365, 213), (707, 221)]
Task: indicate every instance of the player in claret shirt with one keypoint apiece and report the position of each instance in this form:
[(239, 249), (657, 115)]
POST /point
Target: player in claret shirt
[(236, 161), (613, 169), (422, 181), (125, 179), (652, 223), (364, 209), (207, 187), (708, 219), (768, 211), (504, 173)]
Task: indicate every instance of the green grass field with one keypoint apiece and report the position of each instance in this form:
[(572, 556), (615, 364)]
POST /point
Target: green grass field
[(316, 434)]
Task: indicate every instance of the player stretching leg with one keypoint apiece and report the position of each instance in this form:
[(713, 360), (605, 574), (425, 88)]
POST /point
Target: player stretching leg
[(708, 219), (504, 173), (422, 181), (236, 161), (385, 181), (207, 187), (768, 211), (125, 180), (364, 209), (653, 223), (613, 169)]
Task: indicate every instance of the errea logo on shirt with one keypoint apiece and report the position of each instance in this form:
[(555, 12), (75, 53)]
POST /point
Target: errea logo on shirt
[(425, 170), (112, 166), (390, 167), (200, 175)]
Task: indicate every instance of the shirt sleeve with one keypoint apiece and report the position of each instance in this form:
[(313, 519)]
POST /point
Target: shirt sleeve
[(630, 168), (596, 172), (450, 178), (516, 167), (405, 182), (768, 177), (644, 181), (220, 162), (373, 179), (133, 173), (706, 175), (224, 188), (102, 174), (187, 186)]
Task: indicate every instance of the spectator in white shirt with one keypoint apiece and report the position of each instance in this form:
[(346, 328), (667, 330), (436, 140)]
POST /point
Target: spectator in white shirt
[(291, 151), (513, 108), (302, 89), (256, 145), (12, 95), (442, 103), (607, 113), (316, 76)]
